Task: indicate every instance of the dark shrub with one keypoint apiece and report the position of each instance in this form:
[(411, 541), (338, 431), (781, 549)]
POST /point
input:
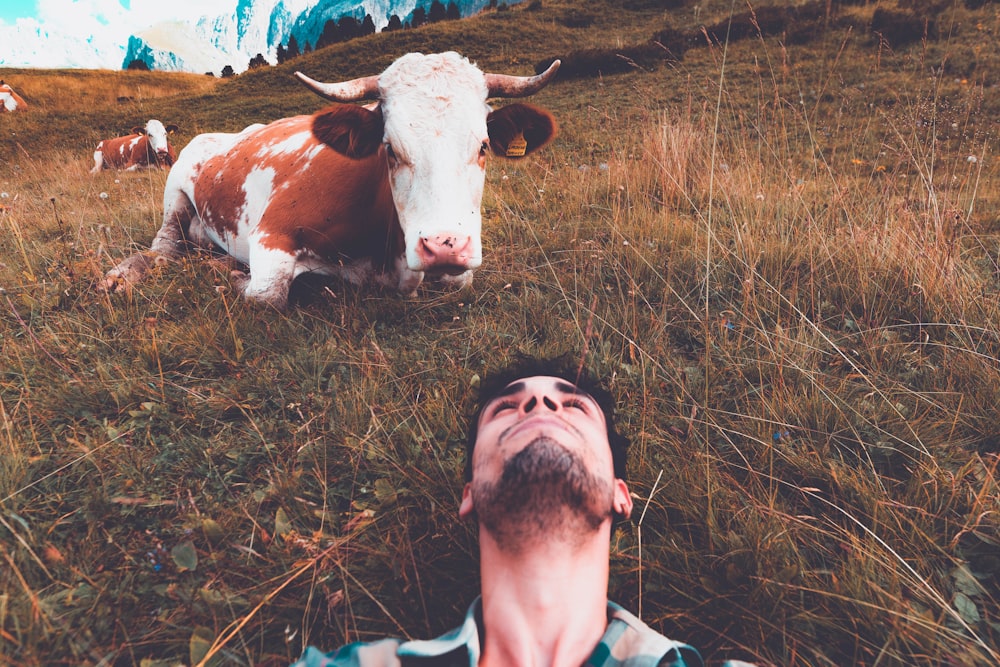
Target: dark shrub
[(769, 21), (589, 63), (901, 28), (639, 5), (576, 19), (674, 41)]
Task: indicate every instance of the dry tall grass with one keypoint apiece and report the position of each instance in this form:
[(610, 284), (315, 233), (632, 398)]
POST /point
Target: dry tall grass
[(791, 285)]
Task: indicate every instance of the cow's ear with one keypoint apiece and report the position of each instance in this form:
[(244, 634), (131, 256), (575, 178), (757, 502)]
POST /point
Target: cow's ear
[(350, 130), (138, 130), (171, 129), (517, 130)]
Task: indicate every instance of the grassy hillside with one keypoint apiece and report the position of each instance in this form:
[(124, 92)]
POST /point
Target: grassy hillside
[(782, 249)]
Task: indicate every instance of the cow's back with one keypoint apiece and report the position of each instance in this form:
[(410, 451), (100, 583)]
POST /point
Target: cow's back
[(279, 183), (117, 152), (11, 101)]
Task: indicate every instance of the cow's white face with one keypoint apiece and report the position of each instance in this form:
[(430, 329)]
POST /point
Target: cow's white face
[(434, 129), (157, 135), (435, 139)]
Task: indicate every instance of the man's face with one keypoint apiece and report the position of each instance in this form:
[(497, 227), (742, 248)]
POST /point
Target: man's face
[(542, 455), (536, 406)]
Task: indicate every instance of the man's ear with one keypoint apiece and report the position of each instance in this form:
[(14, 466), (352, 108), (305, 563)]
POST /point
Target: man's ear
[(622, 503), (466, 509)]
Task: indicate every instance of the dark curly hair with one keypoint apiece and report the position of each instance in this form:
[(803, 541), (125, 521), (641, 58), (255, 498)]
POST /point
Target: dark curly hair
[(566, 369)]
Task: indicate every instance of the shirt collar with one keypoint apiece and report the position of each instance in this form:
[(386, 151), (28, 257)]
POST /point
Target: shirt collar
[(466, 635)]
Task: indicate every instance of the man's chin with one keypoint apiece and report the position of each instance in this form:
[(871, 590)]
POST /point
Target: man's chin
[(545, 491)]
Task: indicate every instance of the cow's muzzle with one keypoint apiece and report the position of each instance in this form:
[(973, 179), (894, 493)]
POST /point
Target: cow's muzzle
[(447, 254)]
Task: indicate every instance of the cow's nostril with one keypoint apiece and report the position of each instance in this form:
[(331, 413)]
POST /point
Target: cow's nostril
[(445, 250)]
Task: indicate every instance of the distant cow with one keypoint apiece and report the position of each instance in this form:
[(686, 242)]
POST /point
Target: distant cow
[(390, 191), (9, 100), (145, 147)]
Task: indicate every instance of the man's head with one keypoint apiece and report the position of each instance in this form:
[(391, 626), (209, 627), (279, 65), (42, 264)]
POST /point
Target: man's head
[(544, 458), (493, 385)]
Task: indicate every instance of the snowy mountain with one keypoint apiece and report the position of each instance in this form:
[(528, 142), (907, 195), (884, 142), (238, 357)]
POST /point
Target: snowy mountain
[(259, 27)]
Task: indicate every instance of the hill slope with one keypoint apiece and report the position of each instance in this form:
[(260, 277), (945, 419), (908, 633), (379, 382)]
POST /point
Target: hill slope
[(781, 249)]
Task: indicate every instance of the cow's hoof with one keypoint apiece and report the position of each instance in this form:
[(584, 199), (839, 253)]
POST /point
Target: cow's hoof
[(460, 281), (126, 274), (239, 280)]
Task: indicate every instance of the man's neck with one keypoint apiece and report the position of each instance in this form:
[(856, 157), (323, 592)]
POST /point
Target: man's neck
[(543, 605)]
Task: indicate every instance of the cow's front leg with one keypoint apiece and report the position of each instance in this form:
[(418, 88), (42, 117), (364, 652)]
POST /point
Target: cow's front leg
[(167, 245), (407, 280), (459, 281), (270, 279)]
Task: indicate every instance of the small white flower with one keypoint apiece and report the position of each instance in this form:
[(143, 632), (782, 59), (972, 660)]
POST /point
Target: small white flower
[(103, 195), (759, 196), (972, 159), (4, 195)]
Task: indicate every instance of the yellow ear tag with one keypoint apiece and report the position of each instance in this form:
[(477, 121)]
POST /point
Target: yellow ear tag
[(517, 146)]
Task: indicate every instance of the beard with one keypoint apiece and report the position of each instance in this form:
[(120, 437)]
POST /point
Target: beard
[(545, 491)]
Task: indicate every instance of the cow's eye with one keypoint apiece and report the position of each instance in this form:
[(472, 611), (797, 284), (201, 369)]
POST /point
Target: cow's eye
[(484, 148), (391, 154)]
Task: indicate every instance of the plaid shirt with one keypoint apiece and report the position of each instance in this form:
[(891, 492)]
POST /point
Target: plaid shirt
[(628, 642)]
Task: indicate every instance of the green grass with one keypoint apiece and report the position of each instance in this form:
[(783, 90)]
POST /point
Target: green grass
[(782, 257)]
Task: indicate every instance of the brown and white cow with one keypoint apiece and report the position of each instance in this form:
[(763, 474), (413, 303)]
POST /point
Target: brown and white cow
[(145, 147), (390, 191), (9, 100)]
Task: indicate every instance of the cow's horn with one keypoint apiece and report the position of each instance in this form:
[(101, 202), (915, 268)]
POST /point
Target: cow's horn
[(505, 85), (365, 88)]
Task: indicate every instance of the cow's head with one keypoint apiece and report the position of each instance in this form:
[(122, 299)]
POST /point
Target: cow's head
[(432, 123), (157, 133)]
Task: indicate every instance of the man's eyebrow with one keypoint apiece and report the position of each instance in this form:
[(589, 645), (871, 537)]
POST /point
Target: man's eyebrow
[(568, 388), (518, 385), (512, 388)]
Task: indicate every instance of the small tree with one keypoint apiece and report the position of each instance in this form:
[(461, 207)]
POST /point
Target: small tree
[(394, 24), (419, 17), (453, 13), (330, 34), (257, 62), (349, 28), (437, 12), (228, 72), (138, 64), (368, 25), (293, 48), (282, 54)]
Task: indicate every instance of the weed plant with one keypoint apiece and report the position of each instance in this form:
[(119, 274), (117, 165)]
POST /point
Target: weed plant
[(785, 259)]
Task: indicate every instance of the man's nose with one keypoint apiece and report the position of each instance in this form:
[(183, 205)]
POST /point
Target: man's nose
[(532, 403)]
